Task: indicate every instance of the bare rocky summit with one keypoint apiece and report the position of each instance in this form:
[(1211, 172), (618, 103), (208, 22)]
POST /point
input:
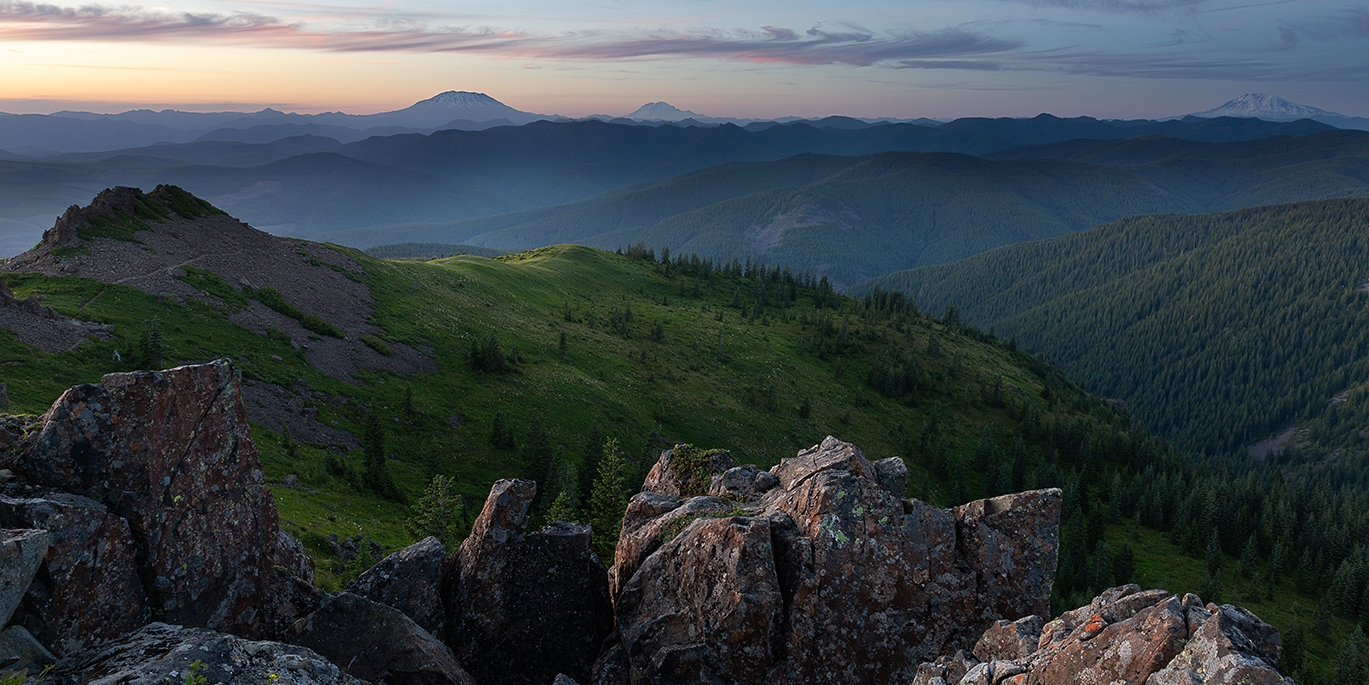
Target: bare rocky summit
[(178, 247), (160, 242)]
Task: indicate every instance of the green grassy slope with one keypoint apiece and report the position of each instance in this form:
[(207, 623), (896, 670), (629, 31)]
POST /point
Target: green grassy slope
[(688, 367)]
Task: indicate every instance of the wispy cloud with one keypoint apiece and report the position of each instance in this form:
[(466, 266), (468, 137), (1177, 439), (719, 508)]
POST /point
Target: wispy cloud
[(1143, 6), (1349, 23), (850, 45)]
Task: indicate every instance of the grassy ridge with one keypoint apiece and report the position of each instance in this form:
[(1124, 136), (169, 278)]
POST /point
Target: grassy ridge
[(784, 379)]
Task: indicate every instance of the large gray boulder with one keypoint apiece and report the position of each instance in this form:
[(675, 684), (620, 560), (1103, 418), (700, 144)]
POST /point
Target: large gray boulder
[(377, 643), (171, 453), (160, 653), (1125, 636), (409, 580), (21, 551), (90, 590)]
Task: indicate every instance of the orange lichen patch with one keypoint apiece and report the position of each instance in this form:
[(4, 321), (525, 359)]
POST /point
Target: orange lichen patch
[(1093, 627)]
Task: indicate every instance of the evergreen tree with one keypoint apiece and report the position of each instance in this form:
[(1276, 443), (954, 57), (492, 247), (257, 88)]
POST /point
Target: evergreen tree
[(150, 344), (1291, 660), (1123, 565), (498, 431), (589, 462), (1350, 665), (376, 473), (563, 509), (608, 500), (439, 513), (287, 441), (1211, 588), (537, 454), (562, 345)]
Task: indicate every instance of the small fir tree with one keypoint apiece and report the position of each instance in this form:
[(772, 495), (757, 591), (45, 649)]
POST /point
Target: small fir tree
[(608, 500), (439, 513)]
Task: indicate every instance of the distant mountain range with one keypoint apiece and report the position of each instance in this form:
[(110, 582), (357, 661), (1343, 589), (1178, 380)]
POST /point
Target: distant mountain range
[(43, 135), (855, 217)]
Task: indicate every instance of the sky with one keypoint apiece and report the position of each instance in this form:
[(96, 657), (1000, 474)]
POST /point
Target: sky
[(753, 59)]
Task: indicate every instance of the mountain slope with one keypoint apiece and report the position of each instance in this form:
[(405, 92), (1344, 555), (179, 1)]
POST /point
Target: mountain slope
[(653, 353), (1219, 331), (539, 164)]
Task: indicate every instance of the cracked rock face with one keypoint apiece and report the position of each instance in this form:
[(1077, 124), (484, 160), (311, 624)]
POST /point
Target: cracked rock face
[(171, 453), (821, 574)]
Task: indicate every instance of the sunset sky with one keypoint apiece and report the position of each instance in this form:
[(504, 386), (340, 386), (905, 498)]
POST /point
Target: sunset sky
[(768, 58)]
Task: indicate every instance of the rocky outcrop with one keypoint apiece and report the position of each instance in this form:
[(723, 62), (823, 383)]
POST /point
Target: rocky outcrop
[(378, 643), (1125, 636), (90, 589), (1008, 640), (159, 653), (171, 453), (409, 580), (287, 600), (1232, 646), (510, 594), (821, 573)]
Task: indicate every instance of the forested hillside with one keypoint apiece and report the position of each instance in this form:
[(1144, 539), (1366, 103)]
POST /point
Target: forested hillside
[(1219, 331), (1242, 337)]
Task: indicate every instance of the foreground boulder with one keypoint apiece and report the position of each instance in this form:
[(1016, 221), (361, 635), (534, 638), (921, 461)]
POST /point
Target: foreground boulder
[(172, 454), (525, 607), (820, 573), (409, 580), (1125, 636), (377, 643), (159, 653), (21, 551), (152, 492)]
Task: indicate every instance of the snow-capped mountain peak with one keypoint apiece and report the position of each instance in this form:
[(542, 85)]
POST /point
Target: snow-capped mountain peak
[(662, 111), (456, 105), (1269, 107), (460, 100)]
